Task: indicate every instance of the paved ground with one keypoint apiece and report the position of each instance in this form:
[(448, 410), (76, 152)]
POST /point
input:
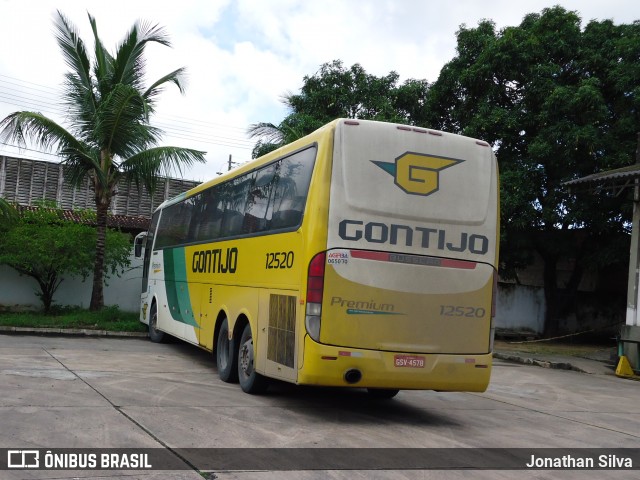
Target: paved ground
[(585, 358), (79, 392)]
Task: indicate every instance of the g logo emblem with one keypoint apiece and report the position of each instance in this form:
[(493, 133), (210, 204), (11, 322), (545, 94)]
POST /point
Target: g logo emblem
[(417, 173)]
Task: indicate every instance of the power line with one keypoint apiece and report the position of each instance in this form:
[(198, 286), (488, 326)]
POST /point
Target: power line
[(19, 92), (42, 152), (48, 87), (29, 149), (34, 101), (175, 118)]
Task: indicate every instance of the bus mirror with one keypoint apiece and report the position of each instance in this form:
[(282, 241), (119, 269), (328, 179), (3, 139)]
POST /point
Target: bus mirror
[(137, 244)]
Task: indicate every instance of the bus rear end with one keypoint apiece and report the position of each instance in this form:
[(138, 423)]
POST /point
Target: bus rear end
[(403, 295)]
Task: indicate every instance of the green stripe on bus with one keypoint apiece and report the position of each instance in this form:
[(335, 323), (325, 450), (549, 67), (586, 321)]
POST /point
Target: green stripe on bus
[(176, 286)]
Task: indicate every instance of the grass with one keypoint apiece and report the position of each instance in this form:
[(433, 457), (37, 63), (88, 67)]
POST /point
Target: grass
[(109, 318)]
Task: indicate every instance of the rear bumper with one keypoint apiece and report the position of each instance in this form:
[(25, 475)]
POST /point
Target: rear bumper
[(326, 365)]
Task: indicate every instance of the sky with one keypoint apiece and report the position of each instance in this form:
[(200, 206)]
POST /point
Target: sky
[(241, 56)]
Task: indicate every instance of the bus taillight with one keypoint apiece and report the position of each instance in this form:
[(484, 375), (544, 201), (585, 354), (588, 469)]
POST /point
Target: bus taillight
[(315, 287)]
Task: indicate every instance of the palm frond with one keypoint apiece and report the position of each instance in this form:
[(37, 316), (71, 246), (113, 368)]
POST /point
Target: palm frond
[(123, 126), (20, 127), (79, 165), (176, 77), (103, 65), (129, 61), (144, 167), (42, 131), (75, 55), (267, 132)]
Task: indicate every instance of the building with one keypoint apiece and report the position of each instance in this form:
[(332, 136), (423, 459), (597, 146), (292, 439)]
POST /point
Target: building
[(30, 182)]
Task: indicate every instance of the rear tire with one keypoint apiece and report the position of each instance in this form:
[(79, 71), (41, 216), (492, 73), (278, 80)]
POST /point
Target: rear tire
[(250, 380), (155, 335), (382, 393), (226, 355)]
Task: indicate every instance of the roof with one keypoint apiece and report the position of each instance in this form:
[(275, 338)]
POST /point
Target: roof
[(630, 172), (616, 180), (122, 222)]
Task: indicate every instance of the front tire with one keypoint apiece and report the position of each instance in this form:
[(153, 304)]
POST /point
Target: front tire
[(250, 380), (226, 355), (155, 335)]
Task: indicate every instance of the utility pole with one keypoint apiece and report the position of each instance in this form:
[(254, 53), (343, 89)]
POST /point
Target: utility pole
[(630, 332), (230, 165)]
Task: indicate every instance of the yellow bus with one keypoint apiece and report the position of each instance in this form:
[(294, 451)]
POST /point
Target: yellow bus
[(362, 255)]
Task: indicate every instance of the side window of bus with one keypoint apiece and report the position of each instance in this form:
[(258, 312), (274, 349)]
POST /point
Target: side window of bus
[(257, 216), (206, 224), (291, 189), (270, 198), (174, 227), (151, 232), (235, 195)]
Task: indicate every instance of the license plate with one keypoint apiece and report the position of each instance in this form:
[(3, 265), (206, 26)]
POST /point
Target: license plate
[(408, 361)]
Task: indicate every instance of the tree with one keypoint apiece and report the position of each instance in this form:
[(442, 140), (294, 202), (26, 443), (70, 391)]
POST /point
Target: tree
[(557, 102), (336, 92), (45, 246), (109, 108)]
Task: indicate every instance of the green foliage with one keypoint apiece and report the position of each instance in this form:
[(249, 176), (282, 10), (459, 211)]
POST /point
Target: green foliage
[(337, 92), (7, 213), (558, 102), (109, 318), (109, 136), (42, 244)]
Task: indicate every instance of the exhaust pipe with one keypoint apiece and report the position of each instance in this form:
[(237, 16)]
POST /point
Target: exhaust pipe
[(352, 376)]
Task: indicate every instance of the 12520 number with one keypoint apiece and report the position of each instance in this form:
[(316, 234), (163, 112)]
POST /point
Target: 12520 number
[(279, 260), (458, 311)]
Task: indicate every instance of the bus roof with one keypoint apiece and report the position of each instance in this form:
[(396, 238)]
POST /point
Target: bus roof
[(283, 151)]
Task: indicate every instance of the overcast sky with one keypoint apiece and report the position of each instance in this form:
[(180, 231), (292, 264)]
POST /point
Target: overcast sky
[(242, 55)]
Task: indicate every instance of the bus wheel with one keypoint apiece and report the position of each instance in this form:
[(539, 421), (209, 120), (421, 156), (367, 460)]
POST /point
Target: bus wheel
[(155, 335), (382, 393), (226, 355), (250, 380)]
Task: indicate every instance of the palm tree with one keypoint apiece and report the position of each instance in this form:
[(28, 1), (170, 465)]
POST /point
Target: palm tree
[(109, 137)]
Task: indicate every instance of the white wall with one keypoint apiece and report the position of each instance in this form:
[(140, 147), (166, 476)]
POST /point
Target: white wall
[(18, 291), (520, 308)]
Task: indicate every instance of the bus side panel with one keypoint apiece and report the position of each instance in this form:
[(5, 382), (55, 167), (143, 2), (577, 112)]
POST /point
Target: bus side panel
[(277, 330), (237, 278), (162, 291)]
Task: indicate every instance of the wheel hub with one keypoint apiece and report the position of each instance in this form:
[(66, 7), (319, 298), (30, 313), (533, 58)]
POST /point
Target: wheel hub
[(246, 357)]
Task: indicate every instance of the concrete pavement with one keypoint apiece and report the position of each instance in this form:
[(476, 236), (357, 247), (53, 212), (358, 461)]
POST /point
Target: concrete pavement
[(595, 362), (81, 392)]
